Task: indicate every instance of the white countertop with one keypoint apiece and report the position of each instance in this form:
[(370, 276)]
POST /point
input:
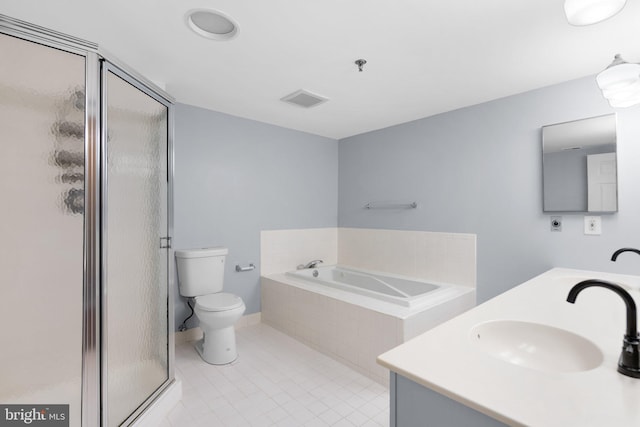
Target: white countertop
[(444, 359)]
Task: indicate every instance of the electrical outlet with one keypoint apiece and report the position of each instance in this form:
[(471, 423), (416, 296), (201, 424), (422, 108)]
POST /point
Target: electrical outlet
[(556, 223), (593, 225)]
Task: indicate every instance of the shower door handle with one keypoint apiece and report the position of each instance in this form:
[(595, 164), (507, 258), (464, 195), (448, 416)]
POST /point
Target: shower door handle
[(166, 245)]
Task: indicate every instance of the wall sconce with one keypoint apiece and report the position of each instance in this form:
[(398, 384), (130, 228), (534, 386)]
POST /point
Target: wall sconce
[(587, 12), (620, 83)]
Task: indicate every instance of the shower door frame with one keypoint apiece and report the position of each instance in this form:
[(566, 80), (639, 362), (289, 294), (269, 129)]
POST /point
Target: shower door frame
[(93, 408), (111, 66)]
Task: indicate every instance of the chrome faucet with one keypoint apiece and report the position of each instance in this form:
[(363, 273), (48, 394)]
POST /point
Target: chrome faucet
[(629, 362), (621, 250), (310, 264)]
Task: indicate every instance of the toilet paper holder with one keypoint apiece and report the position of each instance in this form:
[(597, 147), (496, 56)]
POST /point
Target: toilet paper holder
[(248, 268)]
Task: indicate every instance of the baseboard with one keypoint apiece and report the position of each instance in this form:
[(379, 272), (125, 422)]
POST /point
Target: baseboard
[(249, 320), (194, 334)]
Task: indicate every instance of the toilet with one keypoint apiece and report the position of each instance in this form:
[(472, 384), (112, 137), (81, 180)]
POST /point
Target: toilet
[(201, 276)]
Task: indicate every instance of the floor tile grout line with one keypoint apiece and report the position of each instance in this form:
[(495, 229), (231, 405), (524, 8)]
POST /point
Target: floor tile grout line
[(296, 371)]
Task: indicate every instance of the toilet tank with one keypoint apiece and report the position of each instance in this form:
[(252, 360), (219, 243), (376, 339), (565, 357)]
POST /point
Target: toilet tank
[(200, 271)]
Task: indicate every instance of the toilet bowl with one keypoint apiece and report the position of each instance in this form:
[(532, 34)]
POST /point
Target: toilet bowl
[(218, 314), (201, 276)]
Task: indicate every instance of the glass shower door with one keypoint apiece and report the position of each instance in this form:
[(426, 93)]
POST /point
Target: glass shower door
[(42, 225), (135, 316)]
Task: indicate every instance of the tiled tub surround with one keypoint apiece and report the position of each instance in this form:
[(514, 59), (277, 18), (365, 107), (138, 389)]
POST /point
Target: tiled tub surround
[(283, 250), (354, 329), (351, 328), (430, 256)]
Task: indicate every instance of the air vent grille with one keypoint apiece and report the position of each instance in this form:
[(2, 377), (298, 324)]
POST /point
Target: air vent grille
[(305, 99)]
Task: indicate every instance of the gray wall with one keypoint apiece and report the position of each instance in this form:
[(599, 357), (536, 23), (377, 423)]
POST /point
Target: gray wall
[(478, 170), (235, 177), (473, 170)]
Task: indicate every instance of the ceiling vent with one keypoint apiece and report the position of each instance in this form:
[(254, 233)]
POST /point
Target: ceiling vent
[(305, 99)]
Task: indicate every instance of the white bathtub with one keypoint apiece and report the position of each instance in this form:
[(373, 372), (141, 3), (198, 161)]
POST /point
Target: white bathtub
[(355, 315), (384, 287)]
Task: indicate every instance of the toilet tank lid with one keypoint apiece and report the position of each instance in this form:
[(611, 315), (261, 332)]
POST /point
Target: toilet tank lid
[(202, 253)]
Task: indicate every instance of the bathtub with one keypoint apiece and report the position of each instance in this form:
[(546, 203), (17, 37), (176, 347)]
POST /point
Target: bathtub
[(354, 315), (384, 287)]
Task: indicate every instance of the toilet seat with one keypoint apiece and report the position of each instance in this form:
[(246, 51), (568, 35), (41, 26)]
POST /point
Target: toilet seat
[(220, 301)]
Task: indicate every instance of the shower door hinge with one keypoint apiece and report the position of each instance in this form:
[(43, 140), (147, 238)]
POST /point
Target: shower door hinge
[(165, 242)]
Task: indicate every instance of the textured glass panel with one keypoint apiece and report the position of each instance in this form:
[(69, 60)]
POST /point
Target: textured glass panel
[(41, 224), (136, 274)]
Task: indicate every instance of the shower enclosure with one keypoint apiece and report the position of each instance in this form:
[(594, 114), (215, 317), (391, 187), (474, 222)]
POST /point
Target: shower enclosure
[(85, 192)]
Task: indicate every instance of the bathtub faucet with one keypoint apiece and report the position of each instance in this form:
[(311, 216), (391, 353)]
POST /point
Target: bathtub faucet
[(310, 264)]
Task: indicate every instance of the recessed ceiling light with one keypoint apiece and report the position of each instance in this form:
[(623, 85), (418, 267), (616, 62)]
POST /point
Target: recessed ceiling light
[(211, 24)]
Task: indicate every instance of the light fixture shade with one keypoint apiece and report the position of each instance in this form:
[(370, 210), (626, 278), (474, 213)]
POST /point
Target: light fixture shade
[(587, 12), (620, 83), (211, 24)]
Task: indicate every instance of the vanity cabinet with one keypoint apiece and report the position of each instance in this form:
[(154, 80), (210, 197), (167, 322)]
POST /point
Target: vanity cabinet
[(414, 405), (524, 358)]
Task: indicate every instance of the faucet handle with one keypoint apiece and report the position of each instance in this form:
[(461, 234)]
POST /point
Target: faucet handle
[(310, 264)]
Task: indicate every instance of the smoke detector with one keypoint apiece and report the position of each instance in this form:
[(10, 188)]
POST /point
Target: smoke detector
[(303, 98)]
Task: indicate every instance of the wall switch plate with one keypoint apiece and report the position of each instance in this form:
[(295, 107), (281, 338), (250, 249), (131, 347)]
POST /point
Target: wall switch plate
[(556, 223), (593, 225)]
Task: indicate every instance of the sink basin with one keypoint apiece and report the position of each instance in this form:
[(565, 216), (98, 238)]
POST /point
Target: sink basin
[(536, 346)]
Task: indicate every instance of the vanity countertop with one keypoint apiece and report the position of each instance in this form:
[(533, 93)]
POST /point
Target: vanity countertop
[(445, 360)]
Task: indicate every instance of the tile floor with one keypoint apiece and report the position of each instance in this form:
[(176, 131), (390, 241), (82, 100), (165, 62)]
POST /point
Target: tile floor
[(276, 381)]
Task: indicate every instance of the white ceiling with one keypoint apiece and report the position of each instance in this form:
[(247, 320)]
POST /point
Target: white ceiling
[(424, 57)]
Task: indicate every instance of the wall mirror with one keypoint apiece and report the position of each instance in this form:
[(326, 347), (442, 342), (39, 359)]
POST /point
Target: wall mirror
[(579, 166)]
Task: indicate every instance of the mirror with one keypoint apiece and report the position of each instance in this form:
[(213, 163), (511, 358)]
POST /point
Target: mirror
[(579, 167)]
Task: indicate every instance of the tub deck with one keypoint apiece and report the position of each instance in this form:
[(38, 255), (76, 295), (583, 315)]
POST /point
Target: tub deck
[(352, 328)]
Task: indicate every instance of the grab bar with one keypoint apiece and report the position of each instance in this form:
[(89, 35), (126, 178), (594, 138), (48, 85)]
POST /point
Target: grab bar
[(385, 205)]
